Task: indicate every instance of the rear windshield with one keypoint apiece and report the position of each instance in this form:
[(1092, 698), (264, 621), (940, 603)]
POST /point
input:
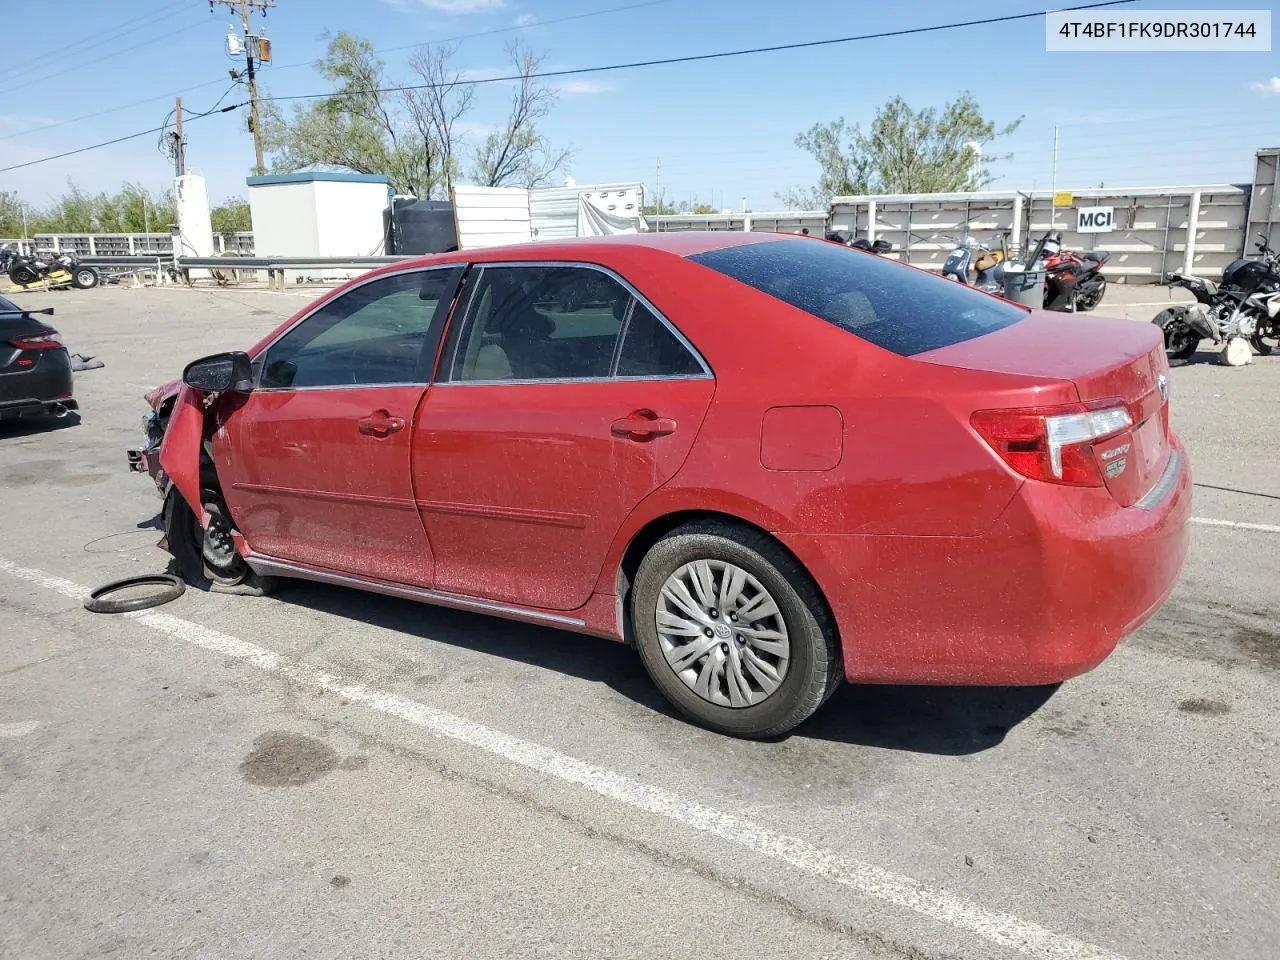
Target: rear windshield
[(895, 307), (8, 306)]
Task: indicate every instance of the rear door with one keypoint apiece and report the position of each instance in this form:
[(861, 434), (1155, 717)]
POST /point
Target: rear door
[(315, 464), (563, 399)]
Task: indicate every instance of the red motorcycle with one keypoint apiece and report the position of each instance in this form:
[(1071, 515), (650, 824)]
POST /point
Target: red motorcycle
[(1073, 279)]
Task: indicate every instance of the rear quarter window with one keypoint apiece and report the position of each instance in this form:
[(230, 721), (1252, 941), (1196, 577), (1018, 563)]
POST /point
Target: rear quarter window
[(895, 307)]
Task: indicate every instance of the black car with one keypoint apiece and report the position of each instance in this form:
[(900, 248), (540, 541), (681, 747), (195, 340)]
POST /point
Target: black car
[(35, 368)]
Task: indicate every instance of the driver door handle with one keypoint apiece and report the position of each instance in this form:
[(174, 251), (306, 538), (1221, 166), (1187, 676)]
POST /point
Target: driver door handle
[(380, 424), (642, 425)]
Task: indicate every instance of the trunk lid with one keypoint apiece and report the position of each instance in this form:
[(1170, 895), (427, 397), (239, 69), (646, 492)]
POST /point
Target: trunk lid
[(1107, 360), (16, 327)]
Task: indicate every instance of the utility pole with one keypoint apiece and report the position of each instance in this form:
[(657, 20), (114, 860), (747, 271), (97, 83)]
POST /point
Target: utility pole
[(257, 50), (1053, 206), (179, 144)]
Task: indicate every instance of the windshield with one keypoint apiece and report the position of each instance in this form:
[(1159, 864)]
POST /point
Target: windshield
[(8, 306), (898, 308)]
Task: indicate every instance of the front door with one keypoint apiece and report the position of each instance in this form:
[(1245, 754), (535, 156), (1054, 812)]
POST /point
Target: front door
[(315, 464), (562, 401)]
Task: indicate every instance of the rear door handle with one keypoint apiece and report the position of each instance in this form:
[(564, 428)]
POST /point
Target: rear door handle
[(642, 425), (380, 424)]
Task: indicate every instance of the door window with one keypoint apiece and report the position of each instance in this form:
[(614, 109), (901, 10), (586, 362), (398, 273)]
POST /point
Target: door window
[(376, 334), (536, 323), (651, 349)]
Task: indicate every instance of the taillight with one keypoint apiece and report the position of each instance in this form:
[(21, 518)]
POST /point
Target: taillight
[(1054, 444), (48, 341)]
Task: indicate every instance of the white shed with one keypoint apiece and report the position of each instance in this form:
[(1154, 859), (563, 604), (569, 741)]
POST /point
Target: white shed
[(318, 214)]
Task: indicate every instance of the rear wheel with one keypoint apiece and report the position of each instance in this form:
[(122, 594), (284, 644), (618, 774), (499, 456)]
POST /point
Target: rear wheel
[(1094, 297), (1180, 341), (733, 631), (22, 275), (84, 277), (1267, 339)]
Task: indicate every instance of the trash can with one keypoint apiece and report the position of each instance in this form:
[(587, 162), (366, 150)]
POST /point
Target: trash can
[(1024, 286)]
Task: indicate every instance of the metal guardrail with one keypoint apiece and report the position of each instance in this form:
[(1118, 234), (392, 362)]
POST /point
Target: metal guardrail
[(285, 263), (136, 261), (274, 266)]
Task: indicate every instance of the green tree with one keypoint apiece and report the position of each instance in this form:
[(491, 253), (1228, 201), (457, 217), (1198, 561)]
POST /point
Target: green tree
[(361, 127), (904, 151), (232, 216), (11, 219), (376, 124), (519, 155), (131, 209)]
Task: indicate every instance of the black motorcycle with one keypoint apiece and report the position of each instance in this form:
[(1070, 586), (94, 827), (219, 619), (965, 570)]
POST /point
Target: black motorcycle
[(1242, 311), (24, 270)]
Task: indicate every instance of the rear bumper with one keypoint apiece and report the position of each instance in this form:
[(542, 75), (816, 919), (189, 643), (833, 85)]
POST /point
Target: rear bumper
[(45, 389), (1045, 595), (31, 407)]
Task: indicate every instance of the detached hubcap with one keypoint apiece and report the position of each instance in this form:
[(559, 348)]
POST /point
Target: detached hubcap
[(722, 633)]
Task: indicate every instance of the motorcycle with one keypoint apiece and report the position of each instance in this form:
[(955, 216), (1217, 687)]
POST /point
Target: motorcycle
[(987, 263), (1241, 312), (59, 269), (1073, 279)]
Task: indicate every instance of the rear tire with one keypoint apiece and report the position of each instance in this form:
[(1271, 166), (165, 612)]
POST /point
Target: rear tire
[(1180, 341), (1091, 300), (23, 275), (783, 665), (83, 278)]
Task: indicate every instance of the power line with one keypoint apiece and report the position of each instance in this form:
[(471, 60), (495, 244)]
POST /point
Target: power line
[(109, 143), (720, 55), (102, 113), (307, 63), (96, 40), (496, 30), (81, 64)]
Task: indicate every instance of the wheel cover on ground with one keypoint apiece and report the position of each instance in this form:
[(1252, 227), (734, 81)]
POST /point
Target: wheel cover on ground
[(722, 633)]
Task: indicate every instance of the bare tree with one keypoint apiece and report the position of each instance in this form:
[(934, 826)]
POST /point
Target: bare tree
[(438, 109), (520, 155)]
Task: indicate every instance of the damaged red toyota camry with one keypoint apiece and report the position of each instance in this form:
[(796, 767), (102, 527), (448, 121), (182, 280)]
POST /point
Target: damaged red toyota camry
[(769, 462)]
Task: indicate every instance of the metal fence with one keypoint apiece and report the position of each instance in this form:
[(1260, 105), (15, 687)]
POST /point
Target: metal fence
[(1199, 229), (124, 244)]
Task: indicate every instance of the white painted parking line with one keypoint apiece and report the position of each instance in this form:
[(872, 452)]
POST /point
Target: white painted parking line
[(1236, 525), (9, 731), (894, 888)]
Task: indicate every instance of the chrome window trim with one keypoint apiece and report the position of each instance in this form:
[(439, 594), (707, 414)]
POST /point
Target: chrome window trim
[(262, 354), (566, 380), (480, 267)]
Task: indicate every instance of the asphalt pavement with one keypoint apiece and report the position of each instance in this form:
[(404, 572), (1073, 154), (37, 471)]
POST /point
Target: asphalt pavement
[(331, 774)]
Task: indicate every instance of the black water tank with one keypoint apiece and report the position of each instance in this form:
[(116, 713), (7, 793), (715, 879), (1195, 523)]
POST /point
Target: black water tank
[(421, 226)]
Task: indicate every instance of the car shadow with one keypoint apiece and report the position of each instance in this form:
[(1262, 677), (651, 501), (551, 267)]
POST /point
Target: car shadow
[(948, 721), (29, 426)]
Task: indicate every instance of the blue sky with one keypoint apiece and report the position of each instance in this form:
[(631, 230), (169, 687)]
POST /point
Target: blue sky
[(722, 130)]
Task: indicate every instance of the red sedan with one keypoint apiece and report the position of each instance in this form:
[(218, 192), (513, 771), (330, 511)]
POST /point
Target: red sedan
[(769, 462)]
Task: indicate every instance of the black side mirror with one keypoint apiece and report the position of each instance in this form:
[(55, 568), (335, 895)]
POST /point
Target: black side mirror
[(220, 373)]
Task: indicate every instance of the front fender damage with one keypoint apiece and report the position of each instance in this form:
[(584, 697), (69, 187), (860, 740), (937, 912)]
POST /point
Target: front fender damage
[(181, 448)]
